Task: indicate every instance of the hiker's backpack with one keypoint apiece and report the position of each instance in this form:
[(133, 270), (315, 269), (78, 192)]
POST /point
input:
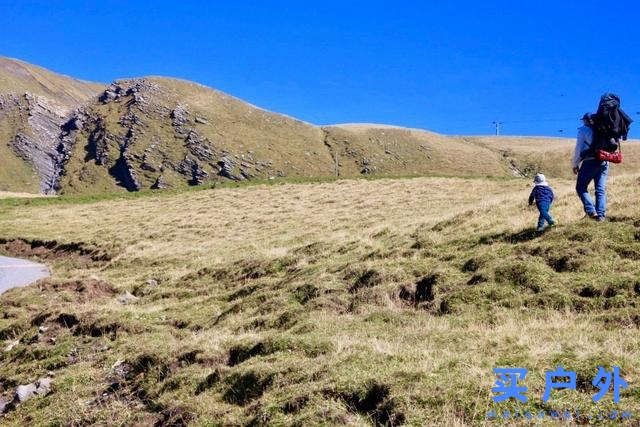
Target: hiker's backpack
[(610, 125)]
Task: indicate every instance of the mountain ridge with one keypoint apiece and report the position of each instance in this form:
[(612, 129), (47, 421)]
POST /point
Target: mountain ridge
[(64, 136)]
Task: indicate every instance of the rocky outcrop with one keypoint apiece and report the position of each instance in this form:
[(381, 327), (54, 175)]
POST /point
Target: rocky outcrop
[(124, 88), (190, 167), (179, 118), (123, 131), (98, 147), (159, 184), (226, 169), (124, 172), (45, 138), (200, 147)]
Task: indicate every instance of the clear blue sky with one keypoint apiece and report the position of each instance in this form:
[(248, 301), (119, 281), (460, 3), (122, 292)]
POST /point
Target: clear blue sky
[(452, 67)]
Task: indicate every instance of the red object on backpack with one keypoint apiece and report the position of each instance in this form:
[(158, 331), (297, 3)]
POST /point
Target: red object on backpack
[(615, 157)]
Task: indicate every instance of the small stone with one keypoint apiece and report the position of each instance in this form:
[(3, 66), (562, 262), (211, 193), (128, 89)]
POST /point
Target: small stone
[(3, 405), (126, 298), (152, 282), (147, 165), (43, 329), (25, 392), (121, 369), (201, 120), (43, 386), (11, 345)]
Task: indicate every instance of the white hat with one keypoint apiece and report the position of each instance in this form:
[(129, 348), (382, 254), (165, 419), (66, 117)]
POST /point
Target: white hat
[(540, 179)]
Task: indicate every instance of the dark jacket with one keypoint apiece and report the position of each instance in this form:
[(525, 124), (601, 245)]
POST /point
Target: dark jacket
[(541, 194), (610, 125)]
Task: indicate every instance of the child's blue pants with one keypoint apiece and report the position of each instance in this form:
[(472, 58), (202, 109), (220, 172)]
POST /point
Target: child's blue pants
[(543, 208)]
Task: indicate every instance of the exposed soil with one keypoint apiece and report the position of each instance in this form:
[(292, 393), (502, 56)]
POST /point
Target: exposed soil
[(51, 250)]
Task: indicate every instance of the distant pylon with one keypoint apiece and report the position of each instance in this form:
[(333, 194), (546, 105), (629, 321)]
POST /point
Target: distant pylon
[(497, 124)]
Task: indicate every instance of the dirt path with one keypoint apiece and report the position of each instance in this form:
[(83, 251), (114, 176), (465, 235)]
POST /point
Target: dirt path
[(15, 272)]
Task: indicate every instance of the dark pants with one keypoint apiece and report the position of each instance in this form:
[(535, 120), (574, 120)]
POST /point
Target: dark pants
[(543, 208)]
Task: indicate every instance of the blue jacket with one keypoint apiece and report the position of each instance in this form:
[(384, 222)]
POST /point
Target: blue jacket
[(541, 194)]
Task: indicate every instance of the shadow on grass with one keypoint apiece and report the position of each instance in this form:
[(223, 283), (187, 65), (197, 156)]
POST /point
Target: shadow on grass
[(513, 238)]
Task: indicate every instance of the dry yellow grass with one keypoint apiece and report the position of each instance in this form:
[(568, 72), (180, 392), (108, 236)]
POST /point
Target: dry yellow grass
[(8, 194), (19, 77), (290, 297), (208, 227)]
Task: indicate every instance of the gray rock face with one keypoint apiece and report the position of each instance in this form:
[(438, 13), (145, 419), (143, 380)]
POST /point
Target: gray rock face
[(367, 168), (226, 169), (98, 141), (41, 143), (190, 167), (199, 147), (101, 141), (45, 135), (109, 95)]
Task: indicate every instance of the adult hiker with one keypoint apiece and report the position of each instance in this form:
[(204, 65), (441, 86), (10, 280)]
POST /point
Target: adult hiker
[(598, 144)]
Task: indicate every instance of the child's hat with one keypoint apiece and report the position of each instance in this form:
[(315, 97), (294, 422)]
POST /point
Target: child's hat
[(539, 179)]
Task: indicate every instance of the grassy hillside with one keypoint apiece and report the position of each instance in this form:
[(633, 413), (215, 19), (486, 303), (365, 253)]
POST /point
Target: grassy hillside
[(388, 150), (19, 77), (348, 302), (15, 173)]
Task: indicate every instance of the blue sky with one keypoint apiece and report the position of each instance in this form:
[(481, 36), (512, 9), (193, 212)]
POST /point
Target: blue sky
[(452, 68)]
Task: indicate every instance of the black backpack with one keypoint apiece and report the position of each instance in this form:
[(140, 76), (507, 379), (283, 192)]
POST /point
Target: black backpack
[(610, 124)]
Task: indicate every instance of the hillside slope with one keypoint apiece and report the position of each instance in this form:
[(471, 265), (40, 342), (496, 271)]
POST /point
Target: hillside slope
[(19, 77), (34, 106), (390, 150)]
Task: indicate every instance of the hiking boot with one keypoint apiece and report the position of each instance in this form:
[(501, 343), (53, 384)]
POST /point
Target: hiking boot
[(601, 219), (552, 225), (540, 229), (593, 215)]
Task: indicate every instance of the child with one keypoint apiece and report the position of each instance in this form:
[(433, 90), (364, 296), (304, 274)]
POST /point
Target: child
[(543, 196)]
